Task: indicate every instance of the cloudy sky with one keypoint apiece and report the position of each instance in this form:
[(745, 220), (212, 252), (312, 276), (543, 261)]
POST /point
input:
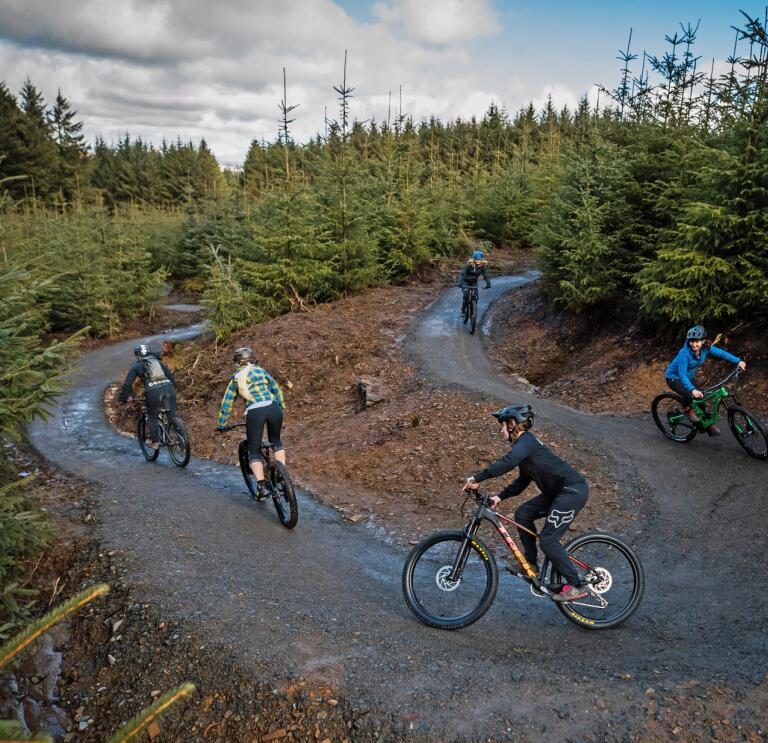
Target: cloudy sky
[(195, 68)]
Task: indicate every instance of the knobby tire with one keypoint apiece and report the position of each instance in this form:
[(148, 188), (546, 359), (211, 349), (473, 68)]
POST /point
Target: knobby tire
[(658, 411), (283, 494), (245, 467), (150, 453), (179, 454), (416, 561), (574, 612), (752, 437)]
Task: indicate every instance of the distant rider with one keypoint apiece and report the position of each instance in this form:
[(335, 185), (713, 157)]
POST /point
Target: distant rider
[(563, 494), (264, 405), (472, 270), (159, 389), (684, 366)]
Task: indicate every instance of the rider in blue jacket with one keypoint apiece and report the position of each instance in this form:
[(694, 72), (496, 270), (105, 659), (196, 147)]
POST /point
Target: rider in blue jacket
[(684, 366)]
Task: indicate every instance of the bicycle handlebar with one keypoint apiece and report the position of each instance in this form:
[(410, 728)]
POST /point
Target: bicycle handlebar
[(230, 427), (733, 375)]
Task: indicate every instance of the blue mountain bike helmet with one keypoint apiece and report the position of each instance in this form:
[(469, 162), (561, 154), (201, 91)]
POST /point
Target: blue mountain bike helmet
[(477, 255)]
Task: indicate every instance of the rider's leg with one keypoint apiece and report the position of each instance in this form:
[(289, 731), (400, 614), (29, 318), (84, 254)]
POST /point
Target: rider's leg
[(274, 419), (562, 512), (525, 514), (464, 298), (687, 399), (168, 400), (254, 426), (153, 397)]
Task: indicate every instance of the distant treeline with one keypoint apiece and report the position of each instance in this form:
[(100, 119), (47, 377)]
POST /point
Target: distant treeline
[(656, 198)]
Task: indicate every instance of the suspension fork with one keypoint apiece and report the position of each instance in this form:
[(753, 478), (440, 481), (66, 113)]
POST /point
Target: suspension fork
[(462, 555)]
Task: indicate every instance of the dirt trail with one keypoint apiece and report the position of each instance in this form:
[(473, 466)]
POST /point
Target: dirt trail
[(324, 600)]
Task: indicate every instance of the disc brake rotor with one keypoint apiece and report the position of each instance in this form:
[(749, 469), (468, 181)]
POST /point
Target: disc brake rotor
[(600, 580), (443, 583)]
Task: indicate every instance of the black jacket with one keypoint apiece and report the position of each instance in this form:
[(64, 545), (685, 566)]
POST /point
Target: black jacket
[(470, 273), (144, 371), (537, 463)]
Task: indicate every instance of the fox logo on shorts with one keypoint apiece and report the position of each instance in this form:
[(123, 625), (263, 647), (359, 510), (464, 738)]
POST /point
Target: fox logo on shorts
[(558, 518)]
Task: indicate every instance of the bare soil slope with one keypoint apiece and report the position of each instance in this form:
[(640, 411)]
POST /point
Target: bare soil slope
[(398, 464), (604, 366)]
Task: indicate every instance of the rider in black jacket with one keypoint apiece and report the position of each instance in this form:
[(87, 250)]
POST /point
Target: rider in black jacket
[(159, 388), (563, 493), (470, 272)]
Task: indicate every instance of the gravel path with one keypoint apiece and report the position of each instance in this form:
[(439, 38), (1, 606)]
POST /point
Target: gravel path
[(324, 600)]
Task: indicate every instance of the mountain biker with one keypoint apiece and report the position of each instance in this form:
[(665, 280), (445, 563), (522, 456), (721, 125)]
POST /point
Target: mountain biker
[(563, 494), (159, 389), (264, 405), (471, 271), (690, 357)]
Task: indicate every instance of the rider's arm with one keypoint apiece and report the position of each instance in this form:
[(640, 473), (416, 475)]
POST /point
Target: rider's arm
[(515, 487), (226, 404), (130, 378), (274, 388), (463, 275), (508, 462), (719, 353), (485, 277), (680, 363)]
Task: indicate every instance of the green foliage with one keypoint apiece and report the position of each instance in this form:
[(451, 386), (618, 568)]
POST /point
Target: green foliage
[(24, 533), (138, 724), (99, 268), (227, 305)]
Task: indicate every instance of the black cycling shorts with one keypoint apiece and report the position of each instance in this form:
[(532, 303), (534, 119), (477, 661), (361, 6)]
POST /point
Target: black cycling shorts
[(255, 419)]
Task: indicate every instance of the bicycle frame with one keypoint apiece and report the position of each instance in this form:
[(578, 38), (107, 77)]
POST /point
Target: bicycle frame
[(717, 394), (484, 513)]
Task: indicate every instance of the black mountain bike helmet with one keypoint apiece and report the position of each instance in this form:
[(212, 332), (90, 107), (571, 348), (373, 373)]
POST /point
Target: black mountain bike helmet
[(516, 413), (142, 350), (243, 355), (696, 333)]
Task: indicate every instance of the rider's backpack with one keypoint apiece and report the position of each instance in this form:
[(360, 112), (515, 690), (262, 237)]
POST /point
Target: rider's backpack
[(153, 370)]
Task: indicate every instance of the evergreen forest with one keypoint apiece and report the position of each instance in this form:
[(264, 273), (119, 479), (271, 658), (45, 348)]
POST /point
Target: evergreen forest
[(655, 197)]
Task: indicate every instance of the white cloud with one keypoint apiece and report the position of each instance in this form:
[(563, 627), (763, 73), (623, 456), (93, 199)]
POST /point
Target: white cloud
[(439, 21), (193, 69)]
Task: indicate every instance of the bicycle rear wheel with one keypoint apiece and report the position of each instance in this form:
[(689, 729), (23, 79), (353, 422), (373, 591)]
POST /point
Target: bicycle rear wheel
[(283, 495), (178, 443), (748, 432), (614, 575), (149, 452), (245, 467), (670, 418), (472, 316), (439, 602)]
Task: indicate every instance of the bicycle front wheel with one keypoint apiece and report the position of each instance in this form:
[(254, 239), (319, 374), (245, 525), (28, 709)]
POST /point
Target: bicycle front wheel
[(142, 434), (245, 467), (433, 597), (670, 418), (748, 432), (178, 444), (614, 575), (283, 495), (472, 316)]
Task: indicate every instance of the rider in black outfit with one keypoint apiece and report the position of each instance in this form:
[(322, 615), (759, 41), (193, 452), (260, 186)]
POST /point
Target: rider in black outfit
[(563, 493), (472, 270), (159, 388)]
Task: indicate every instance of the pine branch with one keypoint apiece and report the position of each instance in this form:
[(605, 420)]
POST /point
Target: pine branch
[(14, 646), (146, 717)]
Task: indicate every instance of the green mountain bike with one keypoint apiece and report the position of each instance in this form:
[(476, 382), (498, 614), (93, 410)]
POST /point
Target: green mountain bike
[(673, 421)]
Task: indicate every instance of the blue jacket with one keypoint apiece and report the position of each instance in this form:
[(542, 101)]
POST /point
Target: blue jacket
[(685, 365)]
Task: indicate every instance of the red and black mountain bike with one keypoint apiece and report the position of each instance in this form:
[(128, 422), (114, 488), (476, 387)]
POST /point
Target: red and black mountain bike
[(450, 578)]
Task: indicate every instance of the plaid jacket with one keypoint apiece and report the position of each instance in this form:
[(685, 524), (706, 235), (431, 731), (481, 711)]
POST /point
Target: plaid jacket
[(260, 385)]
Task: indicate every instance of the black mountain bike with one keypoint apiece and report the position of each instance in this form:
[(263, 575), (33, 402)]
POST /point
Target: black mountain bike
[(172, 435), (278, 480), (450, 578), (469, 309)]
